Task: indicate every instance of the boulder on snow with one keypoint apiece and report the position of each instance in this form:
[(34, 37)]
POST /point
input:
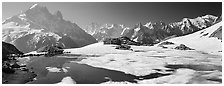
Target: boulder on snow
[(183, 47), (123, 47), (165, 43)]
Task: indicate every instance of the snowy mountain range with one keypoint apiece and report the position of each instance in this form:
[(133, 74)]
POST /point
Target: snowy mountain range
[(151, 33), (37, 27), (101, 31)]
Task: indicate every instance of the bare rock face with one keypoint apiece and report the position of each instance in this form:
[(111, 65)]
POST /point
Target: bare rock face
[(37, 27)]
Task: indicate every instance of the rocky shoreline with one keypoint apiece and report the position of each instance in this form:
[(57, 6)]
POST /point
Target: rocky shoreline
[(18, 77)]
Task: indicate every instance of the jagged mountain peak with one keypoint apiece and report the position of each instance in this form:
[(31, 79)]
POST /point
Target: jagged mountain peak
[(37, 8), (159, 30), (51, 28), (101, 31), (185, 20), (148, 24), (139, 24), (209, 16), (58, 14), (155, 30)]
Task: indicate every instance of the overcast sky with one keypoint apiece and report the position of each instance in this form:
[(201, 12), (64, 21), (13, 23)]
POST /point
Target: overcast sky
[(121, 12)]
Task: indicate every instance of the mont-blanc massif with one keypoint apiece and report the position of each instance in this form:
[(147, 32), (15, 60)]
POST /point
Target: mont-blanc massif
[(40, 46)]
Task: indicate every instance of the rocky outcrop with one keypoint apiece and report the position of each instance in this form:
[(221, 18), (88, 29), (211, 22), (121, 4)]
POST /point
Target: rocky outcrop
[(51, 50), (123, 47), (183, 47), (8, 49)]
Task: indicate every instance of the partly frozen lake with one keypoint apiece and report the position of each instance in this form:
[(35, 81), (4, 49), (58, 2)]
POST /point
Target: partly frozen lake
[(53, 69), (98, 63)]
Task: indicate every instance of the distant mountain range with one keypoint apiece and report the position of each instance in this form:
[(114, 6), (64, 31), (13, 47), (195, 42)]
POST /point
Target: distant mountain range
[(151, 33), (101, 31), (37, 27)]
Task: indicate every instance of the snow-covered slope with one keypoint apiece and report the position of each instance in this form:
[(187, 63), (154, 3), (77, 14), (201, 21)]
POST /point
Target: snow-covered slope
[(180, 66), (208, 40), (37, 27), (100, 31)]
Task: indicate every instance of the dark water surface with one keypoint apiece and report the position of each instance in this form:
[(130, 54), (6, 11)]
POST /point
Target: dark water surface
[(80, 73)]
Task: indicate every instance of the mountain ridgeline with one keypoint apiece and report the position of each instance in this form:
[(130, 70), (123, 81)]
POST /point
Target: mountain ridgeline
[(100, 32), (151, 33), (37, 27)]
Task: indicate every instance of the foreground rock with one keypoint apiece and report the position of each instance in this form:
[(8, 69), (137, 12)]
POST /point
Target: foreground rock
[(183, 47), (9, 49), (13, 73), (18, 77)]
